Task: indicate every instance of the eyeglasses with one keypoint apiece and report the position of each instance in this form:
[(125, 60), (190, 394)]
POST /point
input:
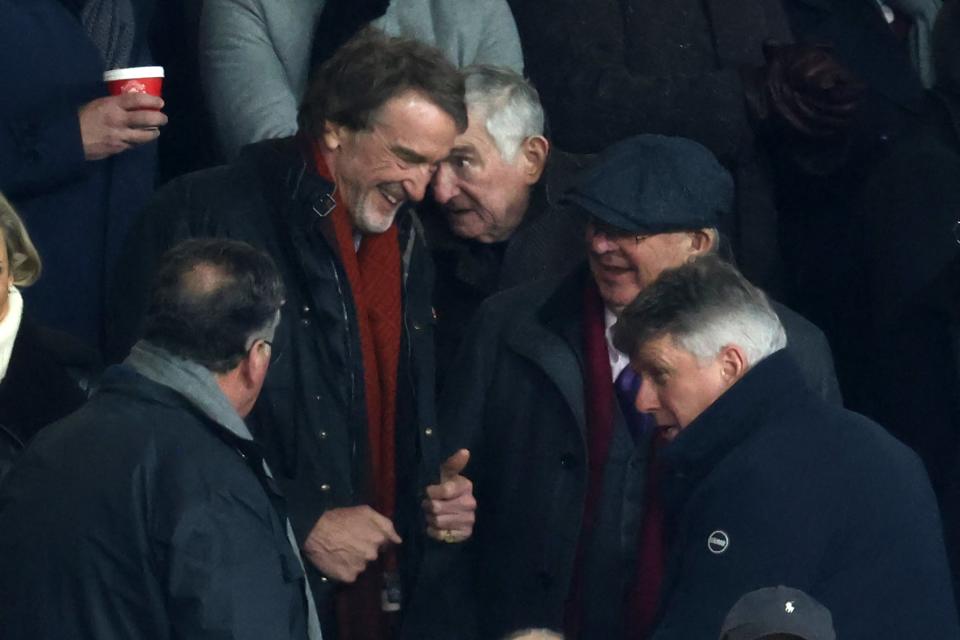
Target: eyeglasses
[(614, 234)]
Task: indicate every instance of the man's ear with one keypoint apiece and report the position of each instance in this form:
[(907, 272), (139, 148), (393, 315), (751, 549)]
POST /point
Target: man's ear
[(733, 363), (533, 154), (333, 135), (701, 242), (253, 368)]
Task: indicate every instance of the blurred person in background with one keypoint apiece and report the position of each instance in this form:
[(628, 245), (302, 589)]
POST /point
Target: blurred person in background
[(77, 163), (44, 374), (257, 57)]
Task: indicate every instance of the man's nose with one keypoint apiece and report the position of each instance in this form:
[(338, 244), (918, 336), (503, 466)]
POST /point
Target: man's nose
[(444, 184), (646, 400), (416, 184), (599, 242)]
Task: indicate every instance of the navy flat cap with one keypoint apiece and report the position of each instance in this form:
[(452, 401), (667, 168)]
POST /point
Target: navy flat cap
[(655, 184)]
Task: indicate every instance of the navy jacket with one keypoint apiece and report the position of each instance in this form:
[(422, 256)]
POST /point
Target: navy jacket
[(770, 485), (139, 517), (516, 399), (77, 211)]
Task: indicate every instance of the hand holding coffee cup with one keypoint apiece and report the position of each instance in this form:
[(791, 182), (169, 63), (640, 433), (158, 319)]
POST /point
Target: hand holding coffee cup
[(147, 80), (129, 117)]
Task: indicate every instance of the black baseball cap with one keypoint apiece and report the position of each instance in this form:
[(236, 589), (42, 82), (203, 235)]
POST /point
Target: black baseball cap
[(774, 610)]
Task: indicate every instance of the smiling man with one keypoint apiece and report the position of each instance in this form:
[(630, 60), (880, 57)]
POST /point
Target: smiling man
[(347, 415), (764, 483), (544, 402)]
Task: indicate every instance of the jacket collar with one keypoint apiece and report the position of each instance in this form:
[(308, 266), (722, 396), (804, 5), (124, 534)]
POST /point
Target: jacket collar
[(951, 101), (473, 261), (551, 337), (771, 385), (192, 381), (304, 198), (545, 197)]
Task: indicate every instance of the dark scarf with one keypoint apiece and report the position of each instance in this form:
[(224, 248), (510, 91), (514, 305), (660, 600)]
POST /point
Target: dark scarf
[(373, 273), (111, 25)]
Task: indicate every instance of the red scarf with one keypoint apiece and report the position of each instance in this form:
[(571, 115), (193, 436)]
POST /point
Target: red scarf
[(599, 394), (643, 597), (373, 273)]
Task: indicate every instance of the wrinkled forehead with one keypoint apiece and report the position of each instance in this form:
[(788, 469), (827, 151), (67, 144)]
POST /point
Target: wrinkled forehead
[(476, 139)]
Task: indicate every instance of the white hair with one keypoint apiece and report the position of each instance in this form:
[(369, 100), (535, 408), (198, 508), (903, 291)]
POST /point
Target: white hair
[(508, 104), (704, 306), (756, 330)]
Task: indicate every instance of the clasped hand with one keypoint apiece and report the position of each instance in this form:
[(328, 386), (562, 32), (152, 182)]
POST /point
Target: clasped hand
[(113, 124)]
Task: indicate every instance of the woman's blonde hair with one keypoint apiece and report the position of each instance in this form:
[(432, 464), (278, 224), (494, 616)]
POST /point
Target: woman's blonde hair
[(23, 257)]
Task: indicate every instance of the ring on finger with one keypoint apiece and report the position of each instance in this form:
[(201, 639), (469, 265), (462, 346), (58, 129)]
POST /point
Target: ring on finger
[(448, 536)]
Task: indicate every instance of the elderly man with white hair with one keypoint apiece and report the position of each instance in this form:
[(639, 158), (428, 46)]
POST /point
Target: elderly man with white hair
[(500, 221), (765, 483), (560, 459)]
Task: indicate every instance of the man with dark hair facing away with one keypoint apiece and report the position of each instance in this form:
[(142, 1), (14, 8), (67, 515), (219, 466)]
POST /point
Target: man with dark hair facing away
[(347, 416), (150, 512)]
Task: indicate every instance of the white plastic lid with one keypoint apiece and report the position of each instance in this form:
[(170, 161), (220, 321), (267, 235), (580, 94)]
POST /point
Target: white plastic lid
[(131, 73)]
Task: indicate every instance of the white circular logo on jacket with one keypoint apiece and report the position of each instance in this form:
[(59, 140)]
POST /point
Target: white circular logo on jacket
[(718, 541)]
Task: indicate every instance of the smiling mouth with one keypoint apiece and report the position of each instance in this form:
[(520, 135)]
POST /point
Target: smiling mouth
[(391, 196), (613, 269)]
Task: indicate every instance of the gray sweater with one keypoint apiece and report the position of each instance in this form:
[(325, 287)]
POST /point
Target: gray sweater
[(255, 54)]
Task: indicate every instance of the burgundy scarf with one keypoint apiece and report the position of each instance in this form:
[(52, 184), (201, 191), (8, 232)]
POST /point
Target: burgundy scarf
[(375, 282), (642, 599), (598, 390)]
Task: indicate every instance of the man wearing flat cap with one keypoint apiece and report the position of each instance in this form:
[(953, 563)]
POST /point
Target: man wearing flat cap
[(565, 528)]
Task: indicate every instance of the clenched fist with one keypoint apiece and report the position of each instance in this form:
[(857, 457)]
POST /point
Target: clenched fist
[(344, 541)]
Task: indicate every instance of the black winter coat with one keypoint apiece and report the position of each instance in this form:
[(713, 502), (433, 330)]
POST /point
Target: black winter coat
[(516, 399), (48, 377), (77, 211), (548, 243), (608, 69), (138, 517), (911, 308), (909, 209), (770, 485), (311, 415)]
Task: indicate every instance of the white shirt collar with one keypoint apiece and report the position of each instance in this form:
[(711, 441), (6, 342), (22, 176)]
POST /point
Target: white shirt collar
[(618, 359), (9, 327)]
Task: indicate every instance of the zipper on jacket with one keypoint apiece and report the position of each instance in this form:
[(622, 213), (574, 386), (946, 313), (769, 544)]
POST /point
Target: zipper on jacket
[(350, 362)]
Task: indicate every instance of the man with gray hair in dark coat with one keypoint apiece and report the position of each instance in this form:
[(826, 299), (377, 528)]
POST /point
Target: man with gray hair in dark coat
[(559, 460), (150, 512), (499, 220), (764, 483)]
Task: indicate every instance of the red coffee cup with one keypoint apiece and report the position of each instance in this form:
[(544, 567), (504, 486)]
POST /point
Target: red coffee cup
[(134, 80)]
